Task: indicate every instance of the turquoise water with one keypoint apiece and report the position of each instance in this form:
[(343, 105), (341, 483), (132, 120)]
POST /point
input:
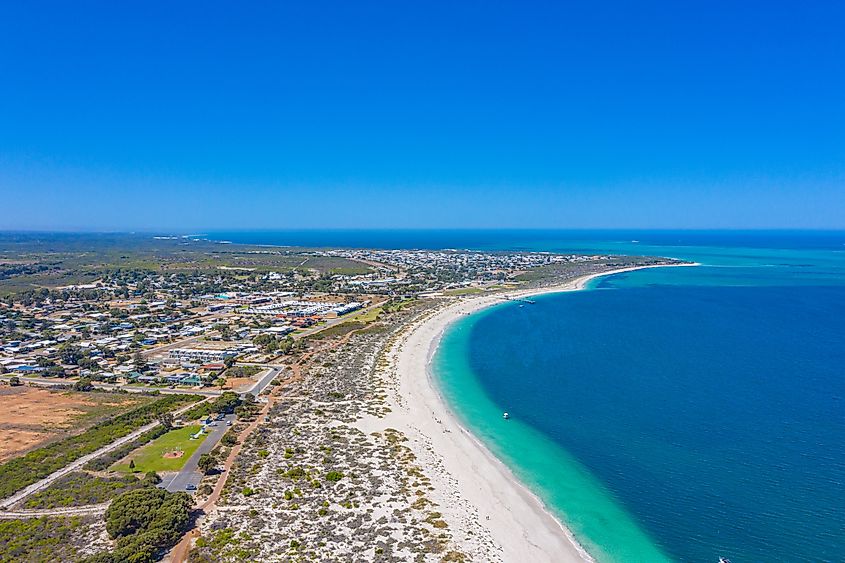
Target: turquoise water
[(678, 413), (564, 484)]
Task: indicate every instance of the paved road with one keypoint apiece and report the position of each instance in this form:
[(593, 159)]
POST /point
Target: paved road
[(190, 473), (264, 381), (53, 382), (46, 481)]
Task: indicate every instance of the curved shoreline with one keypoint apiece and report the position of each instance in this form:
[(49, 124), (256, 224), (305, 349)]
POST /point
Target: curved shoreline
[(474, 488)]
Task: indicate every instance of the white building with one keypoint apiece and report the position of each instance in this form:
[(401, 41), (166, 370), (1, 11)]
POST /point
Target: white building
[(201, 355)]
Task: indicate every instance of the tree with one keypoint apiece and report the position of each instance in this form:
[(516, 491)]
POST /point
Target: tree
[(224, 330), (70, 354), (151, 479), (83, 384), (140, 362), (132, 464), (87, 363), (286, 345), (166, 420), (144, 522), (227, 402), (207, 463), (267, 342)]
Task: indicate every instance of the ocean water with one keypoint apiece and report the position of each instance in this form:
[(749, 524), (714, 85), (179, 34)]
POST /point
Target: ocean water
[(679, 413), (667, 414)]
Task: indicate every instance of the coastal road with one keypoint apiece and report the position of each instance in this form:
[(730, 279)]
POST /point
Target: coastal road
[(190, 473), (74, 465), (264, 381), (52, 382)]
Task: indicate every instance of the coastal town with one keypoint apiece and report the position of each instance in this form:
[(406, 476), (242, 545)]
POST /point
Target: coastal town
[(261, 403), (148, 329)]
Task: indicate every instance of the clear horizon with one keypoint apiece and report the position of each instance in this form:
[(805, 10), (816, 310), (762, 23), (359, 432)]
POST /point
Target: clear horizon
[(163, 118), (217, 230)]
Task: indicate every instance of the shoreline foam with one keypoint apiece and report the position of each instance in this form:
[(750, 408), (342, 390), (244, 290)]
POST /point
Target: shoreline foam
[(496, 514)]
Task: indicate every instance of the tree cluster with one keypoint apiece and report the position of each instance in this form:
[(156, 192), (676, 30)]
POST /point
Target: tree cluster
[(144, 523), (269, 343)]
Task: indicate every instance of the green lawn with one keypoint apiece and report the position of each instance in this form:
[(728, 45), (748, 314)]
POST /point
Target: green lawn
[(151, 457), (366, 316)]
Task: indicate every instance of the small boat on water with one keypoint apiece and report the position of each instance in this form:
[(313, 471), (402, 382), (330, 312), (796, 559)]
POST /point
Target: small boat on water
[(507, 416), (724, 560)]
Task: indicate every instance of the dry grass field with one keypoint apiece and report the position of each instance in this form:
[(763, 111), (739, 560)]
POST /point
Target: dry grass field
[(31, 417), (236, 382)]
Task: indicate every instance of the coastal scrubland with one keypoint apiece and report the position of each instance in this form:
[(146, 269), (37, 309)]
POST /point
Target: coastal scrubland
[(31, 261), (311, 484)]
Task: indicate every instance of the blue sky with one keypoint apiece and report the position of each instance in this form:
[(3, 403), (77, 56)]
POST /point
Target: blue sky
[(201, 115)]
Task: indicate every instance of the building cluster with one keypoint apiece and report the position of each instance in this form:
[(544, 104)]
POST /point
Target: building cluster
[(414, 271), (152, 334), (294, 309)]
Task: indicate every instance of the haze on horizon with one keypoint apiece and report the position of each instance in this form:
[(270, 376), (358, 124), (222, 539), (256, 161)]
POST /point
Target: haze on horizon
[(204, 115)]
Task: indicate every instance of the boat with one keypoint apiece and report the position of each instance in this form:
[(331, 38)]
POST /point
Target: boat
[(507, 416), (724, 560)]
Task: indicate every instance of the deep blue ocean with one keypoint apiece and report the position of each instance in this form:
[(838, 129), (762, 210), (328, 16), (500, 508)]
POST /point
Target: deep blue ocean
[(673, 413)]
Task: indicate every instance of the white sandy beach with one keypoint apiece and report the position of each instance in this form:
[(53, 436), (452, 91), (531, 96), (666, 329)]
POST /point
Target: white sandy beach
[(492, 515)]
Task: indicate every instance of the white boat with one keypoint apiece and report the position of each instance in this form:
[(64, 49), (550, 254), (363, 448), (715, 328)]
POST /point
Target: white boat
[(724, 560), (506, 416)]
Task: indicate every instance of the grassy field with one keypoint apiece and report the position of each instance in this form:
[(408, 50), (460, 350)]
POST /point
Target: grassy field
[(463, 291), (367, 316), (151, 457)]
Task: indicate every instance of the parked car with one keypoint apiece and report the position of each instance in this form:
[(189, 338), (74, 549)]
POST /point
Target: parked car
[(190, 487)]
